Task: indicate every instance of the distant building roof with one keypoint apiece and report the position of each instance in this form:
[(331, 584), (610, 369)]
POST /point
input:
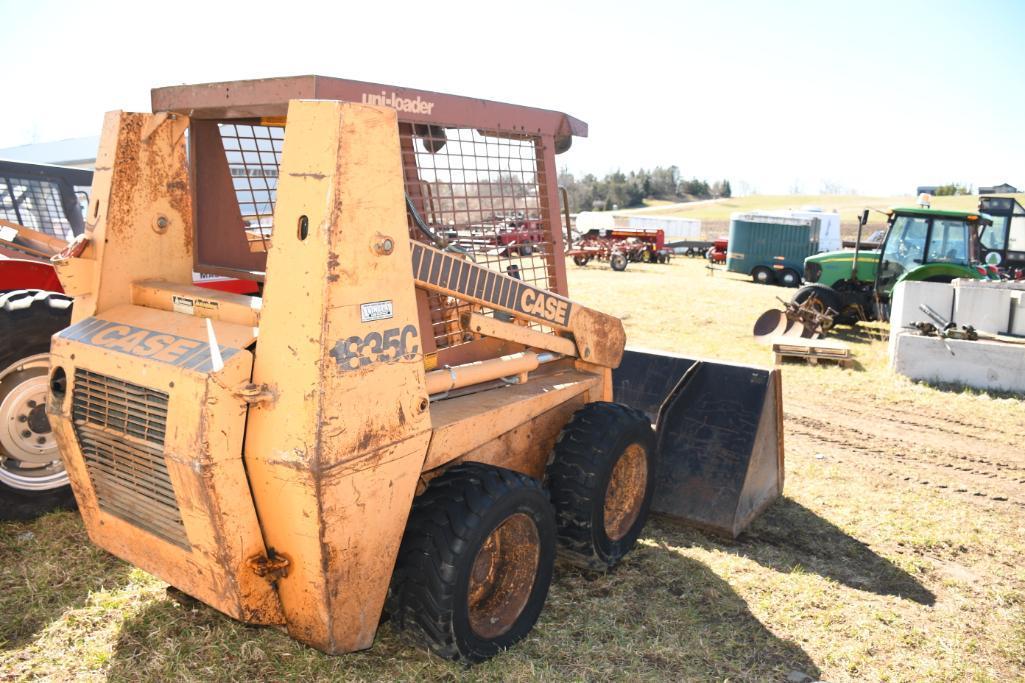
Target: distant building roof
[(1002, 188), (70, 152)]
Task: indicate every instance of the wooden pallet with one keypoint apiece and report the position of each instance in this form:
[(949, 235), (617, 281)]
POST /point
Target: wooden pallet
[(812, 350)]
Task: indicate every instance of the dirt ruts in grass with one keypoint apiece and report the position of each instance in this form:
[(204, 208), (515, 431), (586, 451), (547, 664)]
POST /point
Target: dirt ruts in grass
[(898, 444)]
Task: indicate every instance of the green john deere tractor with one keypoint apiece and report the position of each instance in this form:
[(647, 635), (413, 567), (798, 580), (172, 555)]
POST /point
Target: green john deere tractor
[(921, 244)]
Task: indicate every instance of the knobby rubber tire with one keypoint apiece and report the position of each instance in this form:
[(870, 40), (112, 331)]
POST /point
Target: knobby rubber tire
[(585, 455), (449, 522)]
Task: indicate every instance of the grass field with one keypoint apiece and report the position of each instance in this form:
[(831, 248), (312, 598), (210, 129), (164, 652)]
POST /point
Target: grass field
[(894, 556)]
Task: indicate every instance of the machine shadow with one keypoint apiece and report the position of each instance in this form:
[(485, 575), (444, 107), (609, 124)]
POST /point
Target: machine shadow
[(789, 535), (49, 568), (858, 334), (659, 614), (704, 629)]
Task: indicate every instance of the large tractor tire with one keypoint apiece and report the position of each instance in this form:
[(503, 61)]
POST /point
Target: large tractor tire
[(475, 563), (823, 297), (32, 476), (601, 481)]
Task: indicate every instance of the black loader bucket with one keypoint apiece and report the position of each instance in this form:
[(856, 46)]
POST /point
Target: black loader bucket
[(719, 432)]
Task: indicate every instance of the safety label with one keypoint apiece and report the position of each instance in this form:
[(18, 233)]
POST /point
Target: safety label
[(375, 310)]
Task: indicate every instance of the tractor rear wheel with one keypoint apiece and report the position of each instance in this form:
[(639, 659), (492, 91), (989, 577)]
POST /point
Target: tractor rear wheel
[(32, 476), (618, 262), (602, 479), (821, 298), (475, 563)]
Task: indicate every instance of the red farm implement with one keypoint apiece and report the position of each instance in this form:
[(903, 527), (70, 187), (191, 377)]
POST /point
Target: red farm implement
[(619, 247)]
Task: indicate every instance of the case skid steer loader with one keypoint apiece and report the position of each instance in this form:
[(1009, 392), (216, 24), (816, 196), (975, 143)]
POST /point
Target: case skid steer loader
[(395, 423)]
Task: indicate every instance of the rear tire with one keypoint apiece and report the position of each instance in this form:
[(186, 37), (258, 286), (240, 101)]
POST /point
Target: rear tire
[(32, 476), (823, 297), (602, 479), (618, 262), (763, 276), (475, 563), (788, 277)]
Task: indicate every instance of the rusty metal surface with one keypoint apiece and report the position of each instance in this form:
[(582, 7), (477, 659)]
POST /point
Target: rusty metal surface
[(719, 436), (334, 459), (110, 430), (481, 174), (503, 576), (625, 491), (269, 97)]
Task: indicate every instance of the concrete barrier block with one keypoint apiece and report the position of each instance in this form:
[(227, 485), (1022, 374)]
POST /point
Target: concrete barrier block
[(1017, 324), (987, 309), (987, 365), (908, 296)]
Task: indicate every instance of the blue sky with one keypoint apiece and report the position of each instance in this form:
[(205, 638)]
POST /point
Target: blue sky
[(876, 97)]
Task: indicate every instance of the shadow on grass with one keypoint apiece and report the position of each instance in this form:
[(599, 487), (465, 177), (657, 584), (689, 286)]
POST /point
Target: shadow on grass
[(659, 616), (49, 566), (789, 536), (859, 334), (680, 621)]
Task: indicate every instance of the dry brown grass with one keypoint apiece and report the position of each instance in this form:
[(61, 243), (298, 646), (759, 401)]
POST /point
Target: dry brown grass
[(874, 567)]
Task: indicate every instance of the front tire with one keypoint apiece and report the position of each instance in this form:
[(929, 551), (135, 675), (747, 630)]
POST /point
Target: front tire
[(32, 476), (602, 479), (475, 563)]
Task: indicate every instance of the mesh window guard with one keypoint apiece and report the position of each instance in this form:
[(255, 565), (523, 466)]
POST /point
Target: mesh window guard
[(35, 204), (483, 192)]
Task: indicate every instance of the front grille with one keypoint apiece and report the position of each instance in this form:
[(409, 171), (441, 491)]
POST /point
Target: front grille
[(120, 428)]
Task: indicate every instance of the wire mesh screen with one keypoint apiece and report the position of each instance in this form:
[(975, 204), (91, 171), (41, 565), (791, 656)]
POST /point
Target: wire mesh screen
[(36, 204), (254, 157), (483, 193)]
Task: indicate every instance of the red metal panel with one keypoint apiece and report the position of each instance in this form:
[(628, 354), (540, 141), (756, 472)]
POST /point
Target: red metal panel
[(22, 274)]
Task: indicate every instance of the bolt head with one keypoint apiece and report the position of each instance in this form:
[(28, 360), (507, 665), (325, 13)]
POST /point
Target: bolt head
[(31, 403), (23, 418), (40, 440), (26, 434)]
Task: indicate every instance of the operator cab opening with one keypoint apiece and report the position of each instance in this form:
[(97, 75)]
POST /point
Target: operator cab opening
[(915, 239)]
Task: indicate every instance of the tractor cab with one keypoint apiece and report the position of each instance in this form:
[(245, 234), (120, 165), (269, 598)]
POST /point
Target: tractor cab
[(929, 244), (1003, 242)]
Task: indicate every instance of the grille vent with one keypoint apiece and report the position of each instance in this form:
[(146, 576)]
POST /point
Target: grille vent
[(120, 428)]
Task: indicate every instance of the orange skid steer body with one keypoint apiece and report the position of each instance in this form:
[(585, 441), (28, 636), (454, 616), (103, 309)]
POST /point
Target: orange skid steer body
[(297, 458)]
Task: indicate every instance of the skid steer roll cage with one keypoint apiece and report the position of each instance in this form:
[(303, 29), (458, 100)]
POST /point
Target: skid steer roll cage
[(473, 169)]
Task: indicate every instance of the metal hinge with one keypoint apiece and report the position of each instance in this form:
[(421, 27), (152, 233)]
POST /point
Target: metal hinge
[(270, 568), (254, 393)]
